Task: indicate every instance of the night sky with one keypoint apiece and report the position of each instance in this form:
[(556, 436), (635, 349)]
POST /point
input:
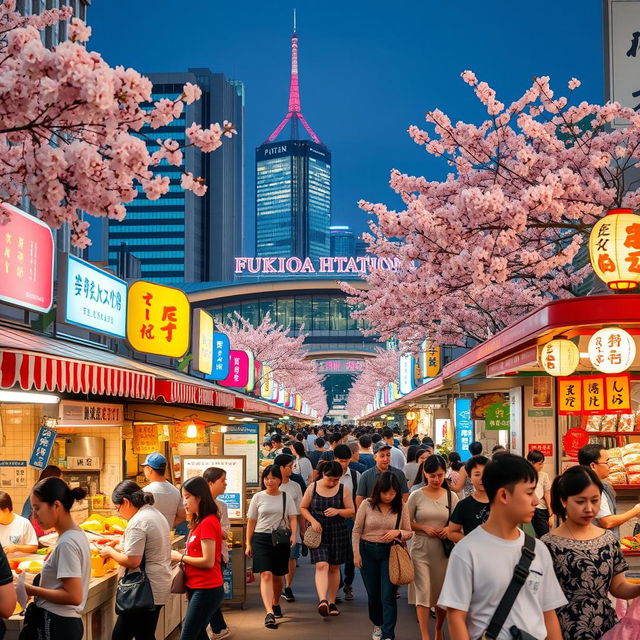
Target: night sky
[(368, 69)]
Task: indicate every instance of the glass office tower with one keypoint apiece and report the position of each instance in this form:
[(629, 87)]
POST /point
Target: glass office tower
[(343, 242)]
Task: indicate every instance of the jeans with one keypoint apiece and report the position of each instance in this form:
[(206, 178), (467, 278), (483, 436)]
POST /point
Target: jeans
[(540, 522), (218, 622), (349, 567), (202, 604), (140, 625), (383, 606)]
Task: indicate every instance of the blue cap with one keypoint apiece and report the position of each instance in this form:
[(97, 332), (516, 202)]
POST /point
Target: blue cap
[(155, 461)]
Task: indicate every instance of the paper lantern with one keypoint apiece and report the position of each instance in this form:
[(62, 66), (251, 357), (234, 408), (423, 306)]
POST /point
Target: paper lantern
[(411, 415), (614, 248), (559, 357), (612, 350)]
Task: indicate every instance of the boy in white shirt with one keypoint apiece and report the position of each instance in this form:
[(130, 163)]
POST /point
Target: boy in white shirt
[(482, 564)]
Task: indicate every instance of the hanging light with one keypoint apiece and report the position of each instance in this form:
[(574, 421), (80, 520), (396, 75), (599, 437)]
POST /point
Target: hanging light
[(614, 249), (612, 350), (559, 357), (192, 430), (411, 415), (223, 428)]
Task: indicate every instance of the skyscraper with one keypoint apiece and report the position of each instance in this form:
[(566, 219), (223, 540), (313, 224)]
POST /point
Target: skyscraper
[(182, 237), (343, 242), (293, 185)]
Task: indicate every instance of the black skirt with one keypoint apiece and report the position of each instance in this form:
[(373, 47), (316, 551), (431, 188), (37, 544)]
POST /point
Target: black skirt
[(266, 557)]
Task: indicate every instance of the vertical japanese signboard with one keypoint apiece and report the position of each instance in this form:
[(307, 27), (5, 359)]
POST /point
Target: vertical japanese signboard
[(595, 395), (158, 319), (221, 349), (202, 341), (464, 427), (406, 373), (91, 298), (26, 270), (42, 448), (238, 369)]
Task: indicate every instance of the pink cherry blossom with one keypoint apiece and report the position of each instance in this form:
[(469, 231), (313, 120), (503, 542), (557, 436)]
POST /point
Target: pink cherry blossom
[(191, 93)]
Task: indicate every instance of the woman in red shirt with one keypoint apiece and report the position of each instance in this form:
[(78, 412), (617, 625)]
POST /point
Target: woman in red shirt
[(203, 573)]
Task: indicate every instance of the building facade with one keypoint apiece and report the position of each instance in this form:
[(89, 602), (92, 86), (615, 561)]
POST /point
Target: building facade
[(182, 237), (343, 242)]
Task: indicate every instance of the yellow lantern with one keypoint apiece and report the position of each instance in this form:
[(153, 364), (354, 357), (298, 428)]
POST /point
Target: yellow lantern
[(614, 248), (411, 415), (612, 350), (559, 357)]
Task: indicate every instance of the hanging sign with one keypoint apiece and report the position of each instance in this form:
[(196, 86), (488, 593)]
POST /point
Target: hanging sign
[(145, 438), (430, 360), (91, 298), (497, 416), (612, 350), (594, 395), (221, 349), (464, 427), (202, 341), (266, 384), (251, 371), (74, 413), (26, 271), (406, 373), (42, 448), (238, 369), (569, 396), (158, 319), (574, 440)]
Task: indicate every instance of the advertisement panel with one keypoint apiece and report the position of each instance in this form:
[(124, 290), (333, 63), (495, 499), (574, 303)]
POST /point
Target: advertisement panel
[(243, 440), (464, 427), (202, 341)]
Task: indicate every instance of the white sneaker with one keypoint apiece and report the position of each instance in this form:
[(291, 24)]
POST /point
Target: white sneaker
[(225, 633), (377, 633)]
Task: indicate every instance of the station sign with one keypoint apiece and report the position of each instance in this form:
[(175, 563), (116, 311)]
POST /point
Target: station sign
[(328, 264)]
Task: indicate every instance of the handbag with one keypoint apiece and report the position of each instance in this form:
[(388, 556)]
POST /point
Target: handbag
[(447, 545), (282, 535), (312, 539), (133, 592), (520, 575), (32, 620), (178, 578), (400, 562)]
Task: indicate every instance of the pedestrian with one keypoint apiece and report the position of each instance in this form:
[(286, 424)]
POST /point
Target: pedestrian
[(498, 450), (271, 511), (326, 505), (355, 463), (314, 456), (455, 466), (217, 480), (430, 510), (146, 544), (7, 592), (397, 457), (587, 559), (292, 489), (61, 596), (543, 516), (380, 520), (472, 511), (302, 465), (463, 486), (483, 564), (167, 499), (50, 471), (366, 452), (418, 482), (411, 467), (201, 559), (382, 458), (17, 534)]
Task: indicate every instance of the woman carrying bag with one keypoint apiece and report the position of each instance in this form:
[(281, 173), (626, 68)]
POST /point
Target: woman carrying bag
[(201, 559), (272, 521), (146, 545), (380, 520)]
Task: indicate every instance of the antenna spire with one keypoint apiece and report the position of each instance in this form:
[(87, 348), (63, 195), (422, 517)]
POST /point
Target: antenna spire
[(294, 113)]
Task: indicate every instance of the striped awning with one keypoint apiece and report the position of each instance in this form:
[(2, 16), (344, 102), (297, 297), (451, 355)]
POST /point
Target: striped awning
[(41, 372), (175, 392)]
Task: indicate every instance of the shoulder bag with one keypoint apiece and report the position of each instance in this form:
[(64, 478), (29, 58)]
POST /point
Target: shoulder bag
[(520, 575), (282, 535), (400, 563), (178, 578), (133, 592), (312, 539), (447, 545)]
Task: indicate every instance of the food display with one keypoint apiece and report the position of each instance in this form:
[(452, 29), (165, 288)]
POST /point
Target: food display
[(630, 543), (113, 525), (624, 464), (625, 423)]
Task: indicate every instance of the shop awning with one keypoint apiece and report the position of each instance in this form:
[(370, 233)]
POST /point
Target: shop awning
[(175, 392)]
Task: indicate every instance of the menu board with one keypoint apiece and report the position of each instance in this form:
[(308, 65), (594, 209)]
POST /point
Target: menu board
[(234, 497), (242, 440)]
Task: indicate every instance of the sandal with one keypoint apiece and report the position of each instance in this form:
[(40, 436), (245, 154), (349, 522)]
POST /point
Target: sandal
[(323, 608), (333, 610)]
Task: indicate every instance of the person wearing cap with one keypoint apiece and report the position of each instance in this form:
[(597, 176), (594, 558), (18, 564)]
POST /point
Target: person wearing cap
[(397, 457), (167, 498), (382, 457)]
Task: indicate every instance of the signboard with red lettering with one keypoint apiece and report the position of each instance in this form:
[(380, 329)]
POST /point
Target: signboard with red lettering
[(574, 440), (238, 369), (595, 395), (26, 271), (545, 448)]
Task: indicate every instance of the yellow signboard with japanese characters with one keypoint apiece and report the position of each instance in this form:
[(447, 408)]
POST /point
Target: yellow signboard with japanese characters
[(569, 396), (158, 319), (145, 438), (202, 341), (594, 395), (618, 393)]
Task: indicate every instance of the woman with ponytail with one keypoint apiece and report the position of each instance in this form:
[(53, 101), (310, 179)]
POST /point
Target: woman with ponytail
[(61, 595), (146, 543)]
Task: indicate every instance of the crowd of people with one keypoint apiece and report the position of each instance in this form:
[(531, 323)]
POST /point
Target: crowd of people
[(347, 498)]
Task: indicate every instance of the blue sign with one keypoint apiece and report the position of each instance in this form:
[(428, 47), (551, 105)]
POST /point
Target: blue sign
[(13, 463), (92, 298), (464, 427), (42, 448), (232, 500), (227, 576), (221, 348)]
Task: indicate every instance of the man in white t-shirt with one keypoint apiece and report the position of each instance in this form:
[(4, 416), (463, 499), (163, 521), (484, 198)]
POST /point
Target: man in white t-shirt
[(168, 500), (482, 564)]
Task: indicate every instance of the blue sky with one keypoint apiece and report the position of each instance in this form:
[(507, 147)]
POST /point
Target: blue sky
[(368, 70)]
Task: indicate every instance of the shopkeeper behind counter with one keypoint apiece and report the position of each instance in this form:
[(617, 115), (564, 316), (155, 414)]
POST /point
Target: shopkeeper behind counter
[(168, 500), (16, 533)]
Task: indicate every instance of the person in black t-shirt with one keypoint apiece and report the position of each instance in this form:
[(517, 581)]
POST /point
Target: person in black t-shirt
[(473, 510)]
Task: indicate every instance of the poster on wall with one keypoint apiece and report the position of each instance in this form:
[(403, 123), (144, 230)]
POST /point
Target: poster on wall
[(481, 404), (542, 386), (234, 497), (242, 440)]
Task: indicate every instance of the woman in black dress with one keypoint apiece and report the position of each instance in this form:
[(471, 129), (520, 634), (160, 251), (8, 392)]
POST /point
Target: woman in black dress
[(587, 559), (325, 506)]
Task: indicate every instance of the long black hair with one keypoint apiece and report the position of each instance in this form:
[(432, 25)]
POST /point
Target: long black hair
[(571, 483), (331, 469), (52, 488), (431, 465), (455, 461), (412, 452), (133, 493), (298, 447), (271, 470), (387, 482), (199, 488)]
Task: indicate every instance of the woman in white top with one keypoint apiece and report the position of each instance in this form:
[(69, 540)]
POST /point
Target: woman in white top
[(17, 534), (269, 510), (217, 480), (64, 582), (301, 464), (146, 543)]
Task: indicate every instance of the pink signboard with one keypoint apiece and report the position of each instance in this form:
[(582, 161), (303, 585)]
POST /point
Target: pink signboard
[(238, 370), (26, 270)]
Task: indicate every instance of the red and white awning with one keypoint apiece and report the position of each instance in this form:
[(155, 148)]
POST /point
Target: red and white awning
[(50, 373), (175, 392)]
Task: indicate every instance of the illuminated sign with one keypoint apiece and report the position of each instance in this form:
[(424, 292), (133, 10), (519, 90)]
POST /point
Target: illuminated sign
[(202, 341), (158, 319), (464, 427), (221, 348), (340, 366), (26, 271), (91, 298), (340, 265), (238, 369)]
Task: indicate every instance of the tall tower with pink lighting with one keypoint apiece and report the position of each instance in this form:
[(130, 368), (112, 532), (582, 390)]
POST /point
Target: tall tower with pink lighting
[(293, 183)]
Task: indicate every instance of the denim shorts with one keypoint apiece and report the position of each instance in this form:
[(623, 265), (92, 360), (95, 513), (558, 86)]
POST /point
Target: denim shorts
[(295, 551)]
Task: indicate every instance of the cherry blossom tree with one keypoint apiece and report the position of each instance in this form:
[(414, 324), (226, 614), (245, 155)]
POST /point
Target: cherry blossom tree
[(501, 234), (377, 372), (70, 126)]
